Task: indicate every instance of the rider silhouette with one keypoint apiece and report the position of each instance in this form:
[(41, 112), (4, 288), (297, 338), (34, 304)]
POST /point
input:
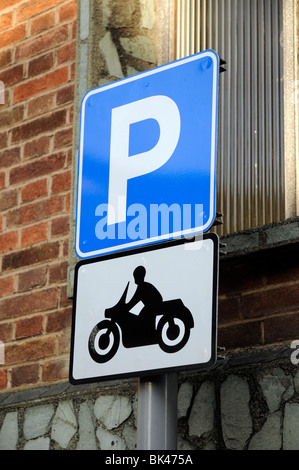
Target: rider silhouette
[(148, 295)]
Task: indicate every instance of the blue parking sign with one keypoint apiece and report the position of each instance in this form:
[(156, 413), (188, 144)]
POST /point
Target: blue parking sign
[(147, 157)]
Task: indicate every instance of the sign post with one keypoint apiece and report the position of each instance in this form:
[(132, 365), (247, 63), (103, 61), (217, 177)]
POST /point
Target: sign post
[(157, 412), (145, 294)]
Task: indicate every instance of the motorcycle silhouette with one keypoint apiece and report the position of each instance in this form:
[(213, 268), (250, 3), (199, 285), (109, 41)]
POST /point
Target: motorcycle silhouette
[(170, 329)]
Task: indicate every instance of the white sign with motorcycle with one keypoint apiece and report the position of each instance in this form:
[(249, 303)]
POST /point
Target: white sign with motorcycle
[(146, 312)]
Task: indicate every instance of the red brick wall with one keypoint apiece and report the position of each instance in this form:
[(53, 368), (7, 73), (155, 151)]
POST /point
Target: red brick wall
[(259, 299), (37, 66)]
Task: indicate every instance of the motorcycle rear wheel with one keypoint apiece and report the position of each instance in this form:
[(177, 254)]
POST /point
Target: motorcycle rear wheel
[(173, 334), (103, 341)]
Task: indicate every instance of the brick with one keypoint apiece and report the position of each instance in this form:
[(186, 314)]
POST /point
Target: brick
[(34, 234), (9, 241), (71, 113), (37, 147), (55, 370), (3, 379), (43, 22), (34, 7), (65, 95), (32, 278), (64, 300), (30, 256), (35, 190), (25, 304), (41, 105), (282, 269), (12, 36), (281, 328), (63, 138), (10, 3), (61, 182), (6, 332), (5, 58), (29, 350), (24, 375), (2, 184), (3, 139), (17, 114), (240, 335), (8, 199), (58, 273), (27, 327), (73, 71), (39, 85), (63, 346), (232, 279), (11, 116), (60, 320), (37, 168), (66, 53), (35, 211), (9, 157), (5, 21), (74, 28), (228, 310), (12, 75), (69, 157), (271, 301), (68, 11), (6, 118), (41, 125), (60, 226), (40, 64), (65, 243), (6, 287), (42, 43)]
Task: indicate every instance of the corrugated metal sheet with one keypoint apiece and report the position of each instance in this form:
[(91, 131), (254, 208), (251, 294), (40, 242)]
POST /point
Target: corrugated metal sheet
[(248, 35)]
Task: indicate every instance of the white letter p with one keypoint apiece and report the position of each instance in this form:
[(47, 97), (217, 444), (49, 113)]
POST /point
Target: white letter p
[(122, 166)]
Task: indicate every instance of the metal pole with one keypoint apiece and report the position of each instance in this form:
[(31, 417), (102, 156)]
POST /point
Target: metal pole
[(157, 412)]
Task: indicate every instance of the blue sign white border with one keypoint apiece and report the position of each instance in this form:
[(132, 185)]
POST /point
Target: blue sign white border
[(183, 233)]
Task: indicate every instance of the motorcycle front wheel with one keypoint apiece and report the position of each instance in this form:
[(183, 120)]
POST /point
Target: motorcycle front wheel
[(173, 334), (103, 341)]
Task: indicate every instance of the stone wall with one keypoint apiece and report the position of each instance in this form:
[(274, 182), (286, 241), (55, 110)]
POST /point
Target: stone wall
[(236, 406)]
